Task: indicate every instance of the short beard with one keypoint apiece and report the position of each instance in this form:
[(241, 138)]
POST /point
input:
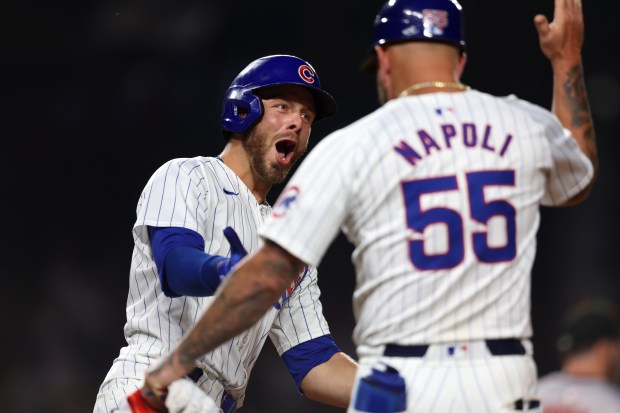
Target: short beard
[(258, 147)]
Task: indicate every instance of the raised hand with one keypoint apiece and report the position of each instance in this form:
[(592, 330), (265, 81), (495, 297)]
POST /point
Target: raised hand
[(562, 38), (237, 252)]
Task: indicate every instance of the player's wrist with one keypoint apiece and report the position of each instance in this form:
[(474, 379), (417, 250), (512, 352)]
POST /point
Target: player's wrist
[(222, 266), (564, 63), (166, 370), (212, 271)]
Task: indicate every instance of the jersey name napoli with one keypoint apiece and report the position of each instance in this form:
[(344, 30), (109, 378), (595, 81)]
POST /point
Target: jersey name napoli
[(204, 195), (440, 195)]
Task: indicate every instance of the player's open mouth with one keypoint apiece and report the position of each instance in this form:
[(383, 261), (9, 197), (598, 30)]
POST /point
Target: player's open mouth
[(285, 149)]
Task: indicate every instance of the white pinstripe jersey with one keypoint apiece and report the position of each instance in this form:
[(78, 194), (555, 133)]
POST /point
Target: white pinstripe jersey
[(204, 195), (440, 194)]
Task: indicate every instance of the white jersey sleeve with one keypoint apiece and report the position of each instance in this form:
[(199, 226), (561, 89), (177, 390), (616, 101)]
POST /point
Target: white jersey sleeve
[(172, 196), (571, 170)]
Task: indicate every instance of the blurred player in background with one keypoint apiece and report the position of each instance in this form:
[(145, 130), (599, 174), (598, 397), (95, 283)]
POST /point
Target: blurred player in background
[(440, 192), (588, 344), (181, 254)]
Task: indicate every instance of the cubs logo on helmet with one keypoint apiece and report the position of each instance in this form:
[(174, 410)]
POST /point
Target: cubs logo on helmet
[(306, 73)]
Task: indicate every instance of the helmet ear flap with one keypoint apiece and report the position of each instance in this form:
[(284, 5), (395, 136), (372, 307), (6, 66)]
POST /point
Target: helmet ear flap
[(240, 111)]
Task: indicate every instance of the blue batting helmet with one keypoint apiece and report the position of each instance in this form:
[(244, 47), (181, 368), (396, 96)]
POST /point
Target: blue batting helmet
[(416, 20), (265, 72)]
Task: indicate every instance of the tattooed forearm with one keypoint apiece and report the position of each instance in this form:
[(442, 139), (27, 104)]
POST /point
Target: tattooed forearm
[(579, 110), (283, 269), (250, 291), (575, 90)]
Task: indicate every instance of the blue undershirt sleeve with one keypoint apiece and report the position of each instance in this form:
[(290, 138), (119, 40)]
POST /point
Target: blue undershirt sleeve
[(183, 266), (305, 356)]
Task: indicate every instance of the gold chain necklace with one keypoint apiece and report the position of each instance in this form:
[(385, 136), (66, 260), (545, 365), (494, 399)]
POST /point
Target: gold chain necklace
[(437, 84)]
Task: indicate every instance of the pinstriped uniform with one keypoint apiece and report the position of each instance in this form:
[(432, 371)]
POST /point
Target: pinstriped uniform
[(204, 195), (440, 195)]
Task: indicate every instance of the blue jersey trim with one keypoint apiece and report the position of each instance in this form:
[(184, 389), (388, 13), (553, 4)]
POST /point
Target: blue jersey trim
[(305, 356)]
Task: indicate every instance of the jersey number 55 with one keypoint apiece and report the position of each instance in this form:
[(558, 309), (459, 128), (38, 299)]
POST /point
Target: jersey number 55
[(481, 211)]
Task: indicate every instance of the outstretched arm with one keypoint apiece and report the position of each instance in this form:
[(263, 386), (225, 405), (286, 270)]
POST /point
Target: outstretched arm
[(561, 41), (331, 382), (245, 296)]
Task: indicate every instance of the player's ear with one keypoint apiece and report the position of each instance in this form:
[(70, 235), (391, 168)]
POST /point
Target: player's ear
[(383, 63), (461, 65)]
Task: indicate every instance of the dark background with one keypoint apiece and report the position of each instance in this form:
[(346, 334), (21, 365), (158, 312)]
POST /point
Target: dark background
[(98, 94)]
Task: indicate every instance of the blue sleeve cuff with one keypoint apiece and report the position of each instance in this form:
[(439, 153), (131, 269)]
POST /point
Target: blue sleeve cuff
[(183, 266), (305, 356)]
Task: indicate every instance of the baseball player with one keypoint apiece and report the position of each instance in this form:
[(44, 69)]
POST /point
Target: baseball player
[(588, 345), (439, 190), (184, 213)]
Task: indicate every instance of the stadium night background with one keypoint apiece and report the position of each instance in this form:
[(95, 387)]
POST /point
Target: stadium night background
[(99, 94)]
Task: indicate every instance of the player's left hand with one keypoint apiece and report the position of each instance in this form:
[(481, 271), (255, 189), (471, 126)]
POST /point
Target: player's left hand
[(562, 39), (237, 252)]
